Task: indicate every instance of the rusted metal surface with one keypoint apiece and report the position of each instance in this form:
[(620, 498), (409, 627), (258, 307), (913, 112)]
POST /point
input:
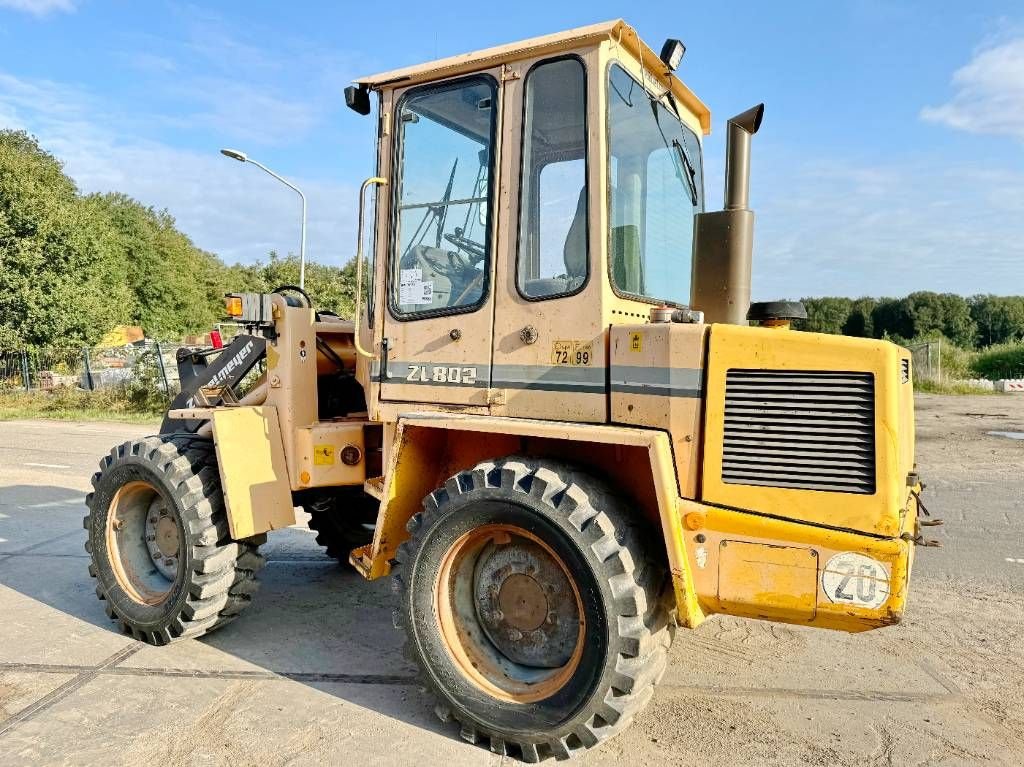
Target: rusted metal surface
[(525, 603), (504, 582), (142, 568)]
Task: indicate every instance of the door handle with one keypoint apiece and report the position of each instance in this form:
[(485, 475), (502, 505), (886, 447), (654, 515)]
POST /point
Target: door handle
[(373, 181)]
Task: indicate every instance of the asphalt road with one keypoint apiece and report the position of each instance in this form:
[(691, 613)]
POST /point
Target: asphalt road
[(312, 673)]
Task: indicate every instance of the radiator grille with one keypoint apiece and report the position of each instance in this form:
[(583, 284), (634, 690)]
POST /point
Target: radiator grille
[(810, 430)]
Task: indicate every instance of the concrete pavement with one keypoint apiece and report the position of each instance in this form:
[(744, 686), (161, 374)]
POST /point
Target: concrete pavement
[(313, 673)]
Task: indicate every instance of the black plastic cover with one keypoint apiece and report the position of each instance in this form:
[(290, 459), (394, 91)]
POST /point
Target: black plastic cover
[(776, 310)]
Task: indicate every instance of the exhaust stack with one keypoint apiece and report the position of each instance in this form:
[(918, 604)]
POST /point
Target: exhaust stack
[(723, 241)]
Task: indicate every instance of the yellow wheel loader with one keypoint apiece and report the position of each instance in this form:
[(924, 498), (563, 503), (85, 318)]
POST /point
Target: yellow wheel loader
[(556, 419)]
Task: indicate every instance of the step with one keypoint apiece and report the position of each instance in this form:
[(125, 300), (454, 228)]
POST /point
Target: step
[(375, 487), (361, 559)]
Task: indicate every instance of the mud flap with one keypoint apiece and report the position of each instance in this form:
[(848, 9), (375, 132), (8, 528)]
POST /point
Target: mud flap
[(250, 454)]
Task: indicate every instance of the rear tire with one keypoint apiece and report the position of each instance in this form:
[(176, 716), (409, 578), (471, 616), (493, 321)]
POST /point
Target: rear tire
[(162, 556), (511, 668)]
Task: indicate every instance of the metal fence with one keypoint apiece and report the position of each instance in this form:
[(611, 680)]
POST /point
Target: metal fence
[(927, 358), (148, 365)]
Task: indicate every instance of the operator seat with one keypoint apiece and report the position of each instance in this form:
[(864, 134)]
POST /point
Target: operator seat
[(574, 255)]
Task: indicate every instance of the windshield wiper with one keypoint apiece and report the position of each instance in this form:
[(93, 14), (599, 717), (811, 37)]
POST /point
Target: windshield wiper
[(691, 173), (688, 173)]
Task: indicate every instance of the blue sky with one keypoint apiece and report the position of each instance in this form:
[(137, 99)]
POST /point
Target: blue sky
[(890, 157)]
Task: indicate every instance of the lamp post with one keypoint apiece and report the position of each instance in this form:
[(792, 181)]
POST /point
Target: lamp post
[(234, 154)]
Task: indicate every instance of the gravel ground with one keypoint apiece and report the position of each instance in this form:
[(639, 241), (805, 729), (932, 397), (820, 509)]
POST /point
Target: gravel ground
[(313, 672)]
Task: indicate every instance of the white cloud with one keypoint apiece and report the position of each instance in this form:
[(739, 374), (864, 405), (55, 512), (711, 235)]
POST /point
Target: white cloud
[(39, 7), (227, 208), (245, 112), (836, 228), (989, 97)]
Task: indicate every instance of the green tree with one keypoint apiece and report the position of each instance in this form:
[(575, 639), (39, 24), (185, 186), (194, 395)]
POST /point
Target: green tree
[(330, 287), (945, 313), (999, 318), (859, 321), (176, 287), (890, 318), (826, 315), (922, 314), (60, 279)]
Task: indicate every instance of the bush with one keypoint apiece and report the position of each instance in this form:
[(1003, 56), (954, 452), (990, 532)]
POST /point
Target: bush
[(956, 361), (1002, 361)]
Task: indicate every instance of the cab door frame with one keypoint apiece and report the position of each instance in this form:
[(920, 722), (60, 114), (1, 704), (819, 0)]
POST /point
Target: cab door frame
[(441, 357), (531, 377)]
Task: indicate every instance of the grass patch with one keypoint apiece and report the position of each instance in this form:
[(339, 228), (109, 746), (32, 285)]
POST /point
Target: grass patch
[(114, 404), (948, 387)]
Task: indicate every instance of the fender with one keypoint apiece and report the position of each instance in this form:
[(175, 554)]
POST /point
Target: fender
[(430, 447)]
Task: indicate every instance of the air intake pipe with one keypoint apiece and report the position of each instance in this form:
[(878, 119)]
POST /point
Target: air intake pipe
[(723, 241)]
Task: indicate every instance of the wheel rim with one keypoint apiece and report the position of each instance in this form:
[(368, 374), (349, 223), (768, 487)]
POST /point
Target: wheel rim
[(510, 613), (144, 542)]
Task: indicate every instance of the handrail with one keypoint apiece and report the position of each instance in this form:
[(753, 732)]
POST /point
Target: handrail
[(373, 181)]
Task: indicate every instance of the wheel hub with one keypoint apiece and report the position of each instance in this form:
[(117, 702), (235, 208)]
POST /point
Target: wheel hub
[(162, 539), (144, 542), (509, 613), (525, 603), (522, 602)]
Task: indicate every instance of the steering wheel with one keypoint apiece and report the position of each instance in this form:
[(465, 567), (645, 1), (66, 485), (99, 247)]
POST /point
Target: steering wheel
[(476, 250), (456, 265)]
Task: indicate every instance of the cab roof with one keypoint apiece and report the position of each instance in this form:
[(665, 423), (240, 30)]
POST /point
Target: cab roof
[(617, 30)]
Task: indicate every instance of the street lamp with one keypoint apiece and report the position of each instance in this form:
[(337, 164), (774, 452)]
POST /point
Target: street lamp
[(234, 154)]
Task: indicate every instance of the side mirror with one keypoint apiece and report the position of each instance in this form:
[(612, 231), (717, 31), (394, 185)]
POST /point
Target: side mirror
[(357, 98)]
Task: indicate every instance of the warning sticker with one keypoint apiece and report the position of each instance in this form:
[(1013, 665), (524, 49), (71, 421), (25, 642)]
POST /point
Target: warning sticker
[(855, 579), (412, 289), (323, 455), (572, 353), (636, 342)]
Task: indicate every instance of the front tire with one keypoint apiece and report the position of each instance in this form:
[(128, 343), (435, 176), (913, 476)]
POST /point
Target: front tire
[(533, 607), (162, 556)]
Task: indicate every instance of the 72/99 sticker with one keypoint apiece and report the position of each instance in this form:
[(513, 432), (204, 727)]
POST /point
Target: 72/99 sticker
[(572, 353)]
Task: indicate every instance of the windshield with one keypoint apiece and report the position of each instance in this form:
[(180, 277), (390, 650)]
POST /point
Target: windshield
[(657, 185), (442, 195)]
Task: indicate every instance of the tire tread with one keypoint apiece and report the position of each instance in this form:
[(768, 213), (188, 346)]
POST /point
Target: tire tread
[(223, 577), (641, 622)]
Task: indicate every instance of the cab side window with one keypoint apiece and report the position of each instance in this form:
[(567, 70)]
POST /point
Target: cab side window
[(553, 258), (442, 241)]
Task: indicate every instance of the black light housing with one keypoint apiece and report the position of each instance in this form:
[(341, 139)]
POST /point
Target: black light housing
[(357, 98), (672, 53)]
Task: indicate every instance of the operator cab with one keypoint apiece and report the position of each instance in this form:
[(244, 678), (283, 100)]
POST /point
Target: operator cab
[(528, 198)]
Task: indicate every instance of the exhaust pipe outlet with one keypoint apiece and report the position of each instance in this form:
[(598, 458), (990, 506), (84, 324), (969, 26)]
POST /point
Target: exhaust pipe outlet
[(737, 157), (723, 241)]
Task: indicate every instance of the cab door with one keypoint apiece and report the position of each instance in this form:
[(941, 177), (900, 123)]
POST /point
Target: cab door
[(550, 350), (438, 291)]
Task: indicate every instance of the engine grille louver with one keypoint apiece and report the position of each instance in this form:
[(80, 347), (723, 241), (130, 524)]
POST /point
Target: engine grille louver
[(809, 430)]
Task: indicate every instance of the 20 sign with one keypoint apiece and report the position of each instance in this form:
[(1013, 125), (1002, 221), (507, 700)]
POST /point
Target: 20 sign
[(854, 579)]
